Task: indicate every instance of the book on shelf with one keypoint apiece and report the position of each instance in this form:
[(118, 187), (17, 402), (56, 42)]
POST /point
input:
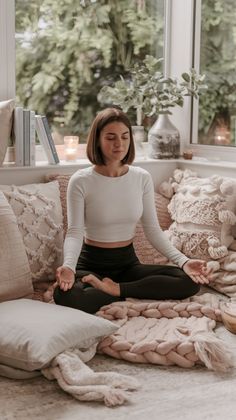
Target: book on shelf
[(26, 125), (24, 133), (19, 136), (45, 137), (32, 139)]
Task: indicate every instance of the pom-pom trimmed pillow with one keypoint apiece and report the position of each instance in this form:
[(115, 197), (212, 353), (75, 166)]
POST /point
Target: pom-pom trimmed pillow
[(15, 276), (37, 208), (203, 210), (32, 333), (144, 250)]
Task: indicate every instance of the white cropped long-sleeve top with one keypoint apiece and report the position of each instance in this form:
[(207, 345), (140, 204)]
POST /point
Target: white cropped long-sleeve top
[(107, 209)]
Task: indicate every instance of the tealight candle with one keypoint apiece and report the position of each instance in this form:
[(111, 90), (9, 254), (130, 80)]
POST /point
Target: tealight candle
[(71, 147), (222, 135)]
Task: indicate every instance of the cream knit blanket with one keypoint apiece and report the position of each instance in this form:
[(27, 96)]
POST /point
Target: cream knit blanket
[(167, 332), (76, 378)]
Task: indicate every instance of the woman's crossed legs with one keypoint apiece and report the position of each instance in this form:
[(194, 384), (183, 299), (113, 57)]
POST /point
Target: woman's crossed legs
[(92, 290)]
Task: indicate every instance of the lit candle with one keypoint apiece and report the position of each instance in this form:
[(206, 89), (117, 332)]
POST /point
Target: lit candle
[(222, 135), (71, 147)]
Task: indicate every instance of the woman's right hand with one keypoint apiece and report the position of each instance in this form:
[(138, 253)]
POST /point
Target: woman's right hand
[(65, 278)]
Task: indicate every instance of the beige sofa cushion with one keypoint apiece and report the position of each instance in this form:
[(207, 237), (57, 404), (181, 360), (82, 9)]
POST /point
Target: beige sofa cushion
[(144, 250), (15, 276), (6, 113), (37, 208)]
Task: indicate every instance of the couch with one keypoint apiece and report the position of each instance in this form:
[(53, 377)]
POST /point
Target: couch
[(38, 250)]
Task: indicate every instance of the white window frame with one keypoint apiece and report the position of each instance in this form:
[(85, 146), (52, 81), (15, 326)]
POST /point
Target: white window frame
[(7, 49), (182, 37), (184, 53)]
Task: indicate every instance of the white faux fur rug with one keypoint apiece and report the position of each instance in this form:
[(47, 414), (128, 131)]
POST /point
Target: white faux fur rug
[(166, 393)]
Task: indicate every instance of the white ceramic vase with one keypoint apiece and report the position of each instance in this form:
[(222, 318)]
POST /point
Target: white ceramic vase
[(163, 139)]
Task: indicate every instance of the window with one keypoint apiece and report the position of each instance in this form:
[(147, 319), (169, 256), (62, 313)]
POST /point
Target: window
[(66, 51), (212, 133), (7, 50), (217, 107), (185, 41)]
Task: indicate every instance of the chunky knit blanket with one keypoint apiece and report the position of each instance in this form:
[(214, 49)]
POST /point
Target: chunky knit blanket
[(159, 332), (167, 332)]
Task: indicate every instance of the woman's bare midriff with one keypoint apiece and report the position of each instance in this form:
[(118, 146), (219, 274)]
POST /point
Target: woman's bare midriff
[(108, 244)]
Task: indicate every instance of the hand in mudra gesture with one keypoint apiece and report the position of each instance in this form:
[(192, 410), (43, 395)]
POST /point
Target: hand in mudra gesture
[(198, 271), (65, 278)]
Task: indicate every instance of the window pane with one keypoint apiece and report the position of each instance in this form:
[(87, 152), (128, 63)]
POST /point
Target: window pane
[(67, 50), (217, 107)]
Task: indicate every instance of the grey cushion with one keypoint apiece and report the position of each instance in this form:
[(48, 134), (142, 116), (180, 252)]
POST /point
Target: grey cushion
[(32, 333)]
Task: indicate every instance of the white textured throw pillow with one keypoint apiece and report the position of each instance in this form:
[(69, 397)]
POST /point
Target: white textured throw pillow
[(6, 112), (15, 276), (39, 216), (203, 210), (32, 333)]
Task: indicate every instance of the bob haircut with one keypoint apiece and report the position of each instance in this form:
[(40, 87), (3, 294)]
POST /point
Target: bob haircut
[(107, 116)]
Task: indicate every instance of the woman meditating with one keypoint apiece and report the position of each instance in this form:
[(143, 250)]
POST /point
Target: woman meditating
[(104, 204)]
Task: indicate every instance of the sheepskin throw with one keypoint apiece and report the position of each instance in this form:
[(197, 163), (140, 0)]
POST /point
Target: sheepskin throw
[(166, 332), (203, 211)]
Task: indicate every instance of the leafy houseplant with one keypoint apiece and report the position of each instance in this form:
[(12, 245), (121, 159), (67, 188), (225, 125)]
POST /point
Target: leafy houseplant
[(149, 92)]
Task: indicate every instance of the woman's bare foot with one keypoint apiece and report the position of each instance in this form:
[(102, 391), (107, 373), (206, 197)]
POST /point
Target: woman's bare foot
[(48, 295), (106, 285)]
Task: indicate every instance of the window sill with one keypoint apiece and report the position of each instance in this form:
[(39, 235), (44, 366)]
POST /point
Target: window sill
[(195, 161), (160, 170)]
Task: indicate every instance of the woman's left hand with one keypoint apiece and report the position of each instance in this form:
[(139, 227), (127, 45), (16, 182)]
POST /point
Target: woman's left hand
[(198, 271)]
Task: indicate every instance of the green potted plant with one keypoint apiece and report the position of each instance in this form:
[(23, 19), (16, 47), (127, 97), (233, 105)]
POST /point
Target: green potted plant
[(150, 93)]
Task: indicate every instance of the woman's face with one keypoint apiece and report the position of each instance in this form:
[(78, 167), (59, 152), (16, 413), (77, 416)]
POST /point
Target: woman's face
[(114, 141)]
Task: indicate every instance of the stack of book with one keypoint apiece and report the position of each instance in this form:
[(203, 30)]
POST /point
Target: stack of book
[(45, 137), (24, 132), (26, 124)]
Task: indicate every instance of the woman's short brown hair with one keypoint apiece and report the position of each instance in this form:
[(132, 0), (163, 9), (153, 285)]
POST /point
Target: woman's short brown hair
[(103, 118)]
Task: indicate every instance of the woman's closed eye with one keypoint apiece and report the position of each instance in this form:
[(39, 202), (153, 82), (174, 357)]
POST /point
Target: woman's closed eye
[(110, 138), (114, 138)]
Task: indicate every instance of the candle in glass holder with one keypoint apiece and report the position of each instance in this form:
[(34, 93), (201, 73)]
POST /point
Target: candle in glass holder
[(222, 135), (71, 147)]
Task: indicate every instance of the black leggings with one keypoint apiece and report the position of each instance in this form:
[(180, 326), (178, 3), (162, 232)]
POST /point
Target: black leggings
[(141, 281)]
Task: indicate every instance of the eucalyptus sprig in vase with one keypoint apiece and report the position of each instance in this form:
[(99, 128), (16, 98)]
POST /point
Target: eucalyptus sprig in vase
[(149, 92)]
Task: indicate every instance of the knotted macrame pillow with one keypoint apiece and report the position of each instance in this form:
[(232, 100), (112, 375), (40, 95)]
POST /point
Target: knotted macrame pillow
[(203, 210)]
